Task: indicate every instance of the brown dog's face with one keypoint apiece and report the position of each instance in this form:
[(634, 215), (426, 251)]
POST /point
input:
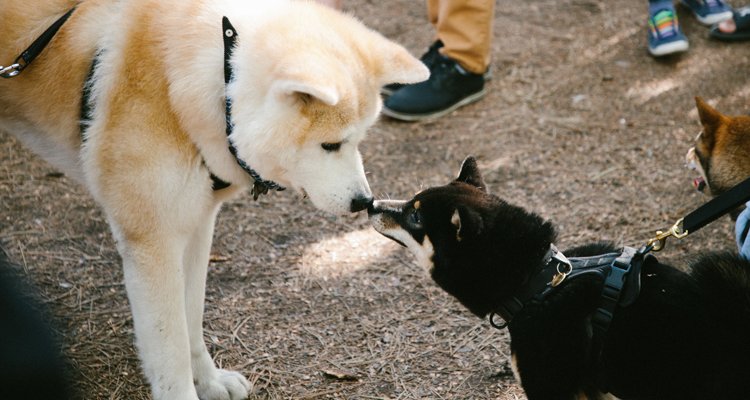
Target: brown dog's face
[(722, 150)]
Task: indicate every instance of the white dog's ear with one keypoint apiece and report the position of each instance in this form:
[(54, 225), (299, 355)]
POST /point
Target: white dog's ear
[(299, 87), (399, 66)]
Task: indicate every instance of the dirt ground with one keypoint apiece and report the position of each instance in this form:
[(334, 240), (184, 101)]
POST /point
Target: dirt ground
[(579, 124)]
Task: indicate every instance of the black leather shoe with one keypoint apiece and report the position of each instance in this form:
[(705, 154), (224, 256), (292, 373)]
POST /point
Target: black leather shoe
[(448, 88), (427, 58)]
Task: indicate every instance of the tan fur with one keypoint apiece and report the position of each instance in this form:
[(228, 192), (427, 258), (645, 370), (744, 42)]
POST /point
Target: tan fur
[(305, 75), (724, 146)]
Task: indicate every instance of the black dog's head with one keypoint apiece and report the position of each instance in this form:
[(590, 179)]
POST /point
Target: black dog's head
[(475, 246)]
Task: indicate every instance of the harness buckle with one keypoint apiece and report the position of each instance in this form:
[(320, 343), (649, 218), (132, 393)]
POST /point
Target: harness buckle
[(10, 71), (561, 274)]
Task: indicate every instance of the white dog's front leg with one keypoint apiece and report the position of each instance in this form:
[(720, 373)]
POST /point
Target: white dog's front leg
[(154, 283), (210, 382)]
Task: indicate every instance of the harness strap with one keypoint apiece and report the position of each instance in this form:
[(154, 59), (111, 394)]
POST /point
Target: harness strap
[(614, 282), (621, 284), (36, 47)]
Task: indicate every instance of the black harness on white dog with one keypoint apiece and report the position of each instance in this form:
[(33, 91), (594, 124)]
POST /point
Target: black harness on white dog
[(260, 185), (620, 273)]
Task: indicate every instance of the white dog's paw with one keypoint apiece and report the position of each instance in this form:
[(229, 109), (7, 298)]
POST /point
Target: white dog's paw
[(225, 385)]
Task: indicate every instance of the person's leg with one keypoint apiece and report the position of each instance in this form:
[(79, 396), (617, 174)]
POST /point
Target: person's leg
[(664, 34), (465, 28)]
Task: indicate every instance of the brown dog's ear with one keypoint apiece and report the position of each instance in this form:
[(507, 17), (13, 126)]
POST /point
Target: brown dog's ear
[(470, 174), (710, 119), (467, 222)]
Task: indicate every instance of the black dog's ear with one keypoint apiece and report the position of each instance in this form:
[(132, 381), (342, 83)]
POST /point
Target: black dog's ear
[(470, 174), (467, 222)]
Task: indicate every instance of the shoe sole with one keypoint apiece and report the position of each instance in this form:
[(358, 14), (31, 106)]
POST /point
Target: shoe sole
[(388, 92), (669, 48), (437, 114), (712, 18)]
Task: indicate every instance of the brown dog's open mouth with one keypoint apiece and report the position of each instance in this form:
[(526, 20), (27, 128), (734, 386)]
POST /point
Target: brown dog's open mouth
[(699, 183), (692, 163)]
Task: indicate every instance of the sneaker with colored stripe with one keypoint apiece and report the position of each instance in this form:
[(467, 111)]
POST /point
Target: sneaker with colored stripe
[(664, 34), (709, 12)]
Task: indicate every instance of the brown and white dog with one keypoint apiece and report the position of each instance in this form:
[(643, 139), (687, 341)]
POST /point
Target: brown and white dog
[(722, 150), (305, 89)]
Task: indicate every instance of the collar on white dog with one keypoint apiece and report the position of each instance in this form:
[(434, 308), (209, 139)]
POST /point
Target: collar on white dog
[(260, 186)]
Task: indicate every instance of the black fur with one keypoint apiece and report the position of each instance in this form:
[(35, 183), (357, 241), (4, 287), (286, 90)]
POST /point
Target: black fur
[(687, 336), (31, 366)]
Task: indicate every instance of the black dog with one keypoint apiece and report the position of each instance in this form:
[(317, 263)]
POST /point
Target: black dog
[(31, 366), (684, 336)]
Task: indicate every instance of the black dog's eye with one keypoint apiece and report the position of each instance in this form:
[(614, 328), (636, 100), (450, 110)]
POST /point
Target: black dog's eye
[(330, 147), (414, 219)]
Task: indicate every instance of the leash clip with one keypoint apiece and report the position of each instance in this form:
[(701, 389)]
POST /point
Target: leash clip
[(11, 70), (660, 240)]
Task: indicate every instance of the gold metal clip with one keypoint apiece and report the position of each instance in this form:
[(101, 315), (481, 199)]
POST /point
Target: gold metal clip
[(660, 240), (561, 274)]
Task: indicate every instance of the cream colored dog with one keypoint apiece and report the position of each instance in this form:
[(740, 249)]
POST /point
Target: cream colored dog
[(305, 89)]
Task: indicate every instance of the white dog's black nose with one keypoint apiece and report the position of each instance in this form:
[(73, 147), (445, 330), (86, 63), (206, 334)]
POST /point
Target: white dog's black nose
[(360, 203)]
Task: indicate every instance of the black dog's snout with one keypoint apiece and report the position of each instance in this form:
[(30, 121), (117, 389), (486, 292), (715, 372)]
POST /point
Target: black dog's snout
[(360, 203)]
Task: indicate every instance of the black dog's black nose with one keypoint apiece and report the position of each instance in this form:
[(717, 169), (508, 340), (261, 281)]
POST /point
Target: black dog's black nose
[(360, 203)]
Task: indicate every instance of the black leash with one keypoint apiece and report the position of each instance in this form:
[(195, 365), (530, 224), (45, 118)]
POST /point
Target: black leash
[(36, 47), (260, 186), (703, 215)]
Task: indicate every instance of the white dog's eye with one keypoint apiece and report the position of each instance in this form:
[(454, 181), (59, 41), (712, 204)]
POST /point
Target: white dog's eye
[(330, 147)]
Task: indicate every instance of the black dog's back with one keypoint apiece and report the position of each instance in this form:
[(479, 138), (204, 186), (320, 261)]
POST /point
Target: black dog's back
[(724, 282), (686, 337)]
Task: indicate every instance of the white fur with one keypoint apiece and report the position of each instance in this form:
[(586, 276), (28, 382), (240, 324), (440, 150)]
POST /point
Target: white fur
[(424, 252), (148, 154)]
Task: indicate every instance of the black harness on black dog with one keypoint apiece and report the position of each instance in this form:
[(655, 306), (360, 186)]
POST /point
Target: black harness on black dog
[(260, 186), (620, 272)]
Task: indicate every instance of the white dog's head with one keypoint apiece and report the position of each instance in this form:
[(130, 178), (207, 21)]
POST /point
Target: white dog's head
[(306, 89)]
